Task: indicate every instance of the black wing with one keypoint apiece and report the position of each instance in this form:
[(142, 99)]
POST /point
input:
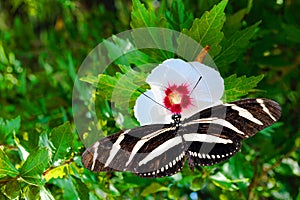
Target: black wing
[(215, 134), (148, 151)]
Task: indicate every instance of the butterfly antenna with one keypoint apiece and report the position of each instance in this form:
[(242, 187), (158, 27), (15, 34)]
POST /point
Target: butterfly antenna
[(195, 85), (152, 99)]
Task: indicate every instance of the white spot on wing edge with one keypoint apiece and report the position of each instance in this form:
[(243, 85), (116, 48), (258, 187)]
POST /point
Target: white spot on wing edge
[(265, 109)]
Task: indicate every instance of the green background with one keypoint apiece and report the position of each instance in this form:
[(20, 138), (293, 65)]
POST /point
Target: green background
[(42, 45)]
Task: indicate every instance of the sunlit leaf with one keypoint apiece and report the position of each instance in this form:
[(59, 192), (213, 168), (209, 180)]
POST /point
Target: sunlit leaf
[(221, 181), (241, 86), (121, 89), (141, 17), (207, 30), (45, 194), (57, 172), (35, 165)]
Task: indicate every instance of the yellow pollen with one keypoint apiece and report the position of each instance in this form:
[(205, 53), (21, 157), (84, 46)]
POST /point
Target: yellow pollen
[(175, 97)]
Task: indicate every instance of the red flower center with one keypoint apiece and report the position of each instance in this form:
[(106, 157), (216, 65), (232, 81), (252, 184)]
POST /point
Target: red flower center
[(177, 97)]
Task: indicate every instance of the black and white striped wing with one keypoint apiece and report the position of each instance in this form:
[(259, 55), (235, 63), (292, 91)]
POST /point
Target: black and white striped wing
[(206, 138), (148, 151), (215, 134)]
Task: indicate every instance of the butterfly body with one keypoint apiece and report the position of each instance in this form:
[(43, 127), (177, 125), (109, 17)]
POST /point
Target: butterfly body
[(208, 137)]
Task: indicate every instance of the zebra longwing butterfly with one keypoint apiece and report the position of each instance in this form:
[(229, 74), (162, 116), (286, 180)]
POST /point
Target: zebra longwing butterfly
[(208, 137)]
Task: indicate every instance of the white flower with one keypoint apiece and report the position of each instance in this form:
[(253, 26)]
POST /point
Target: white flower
[(176, 88)]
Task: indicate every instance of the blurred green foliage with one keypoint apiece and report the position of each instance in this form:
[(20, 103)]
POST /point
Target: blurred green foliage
[(255, 44)]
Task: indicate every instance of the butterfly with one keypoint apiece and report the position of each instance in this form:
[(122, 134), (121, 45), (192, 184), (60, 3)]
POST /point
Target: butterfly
[(208, 137)]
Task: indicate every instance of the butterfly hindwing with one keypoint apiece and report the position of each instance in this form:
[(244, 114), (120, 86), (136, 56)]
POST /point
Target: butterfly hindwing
[(164, 160)]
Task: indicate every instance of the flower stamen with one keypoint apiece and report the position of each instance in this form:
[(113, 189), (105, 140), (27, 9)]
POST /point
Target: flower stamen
[(177, 98)]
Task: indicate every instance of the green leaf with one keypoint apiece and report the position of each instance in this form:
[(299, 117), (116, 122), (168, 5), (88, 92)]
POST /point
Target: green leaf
[(62, 140), (178, 17), (6, 167), (12, 189), (81, 188), (234, 22), (121, 89), (151, 36), (207, 30), (241, 86), (289, 167), (223, 182), (31, 192), (3, 57), (141, 17), (233, 46), (268, 131), (90, 79), (34, 166), (174, 192), (153, 188), (57, 172), (197, 184), (236, 171), (292, 33), (45, 194), (129, 54), (22, 151), (7, 128), (67, 186)]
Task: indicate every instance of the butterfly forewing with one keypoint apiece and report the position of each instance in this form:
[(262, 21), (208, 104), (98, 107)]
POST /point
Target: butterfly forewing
[(244, 117), (146, 151), (221, 129)]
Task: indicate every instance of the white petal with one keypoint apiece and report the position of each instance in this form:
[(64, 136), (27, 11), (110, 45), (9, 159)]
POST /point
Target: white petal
[(211, 86), (148, 112), (172, 71), (207, 92)]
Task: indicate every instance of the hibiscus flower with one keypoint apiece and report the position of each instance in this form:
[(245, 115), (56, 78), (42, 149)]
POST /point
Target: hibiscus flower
[(178, 87)]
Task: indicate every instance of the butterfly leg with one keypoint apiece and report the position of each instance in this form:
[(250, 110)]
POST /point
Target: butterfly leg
[(190, 161)]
